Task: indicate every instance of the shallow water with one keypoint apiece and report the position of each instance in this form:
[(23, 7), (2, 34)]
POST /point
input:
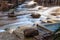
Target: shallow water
[(53, 27), (26, 19)]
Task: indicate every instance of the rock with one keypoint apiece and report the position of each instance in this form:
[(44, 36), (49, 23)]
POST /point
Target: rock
[(49, 22), (7, 36), (19, 33), (30, 33), (55, 14), (11, 14), (38, 1), (21, 1), (35, 15)]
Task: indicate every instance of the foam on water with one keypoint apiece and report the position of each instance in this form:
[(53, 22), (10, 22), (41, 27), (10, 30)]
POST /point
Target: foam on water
[(26, 20)]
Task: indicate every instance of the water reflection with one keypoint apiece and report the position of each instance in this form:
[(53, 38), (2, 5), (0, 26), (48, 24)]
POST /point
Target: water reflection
[(53, 27)]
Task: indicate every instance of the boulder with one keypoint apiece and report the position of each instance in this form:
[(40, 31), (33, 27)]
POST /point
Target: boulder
[(35, 15), (30, 33)]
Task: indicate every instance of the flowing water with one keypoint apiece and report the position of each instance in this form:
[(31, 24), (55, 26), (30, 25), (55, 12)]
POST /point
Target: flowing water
[(26, 19)]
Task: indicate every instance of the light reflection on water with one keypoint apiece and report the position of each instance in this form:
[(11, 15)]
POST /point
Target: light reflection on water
[(53, 27)]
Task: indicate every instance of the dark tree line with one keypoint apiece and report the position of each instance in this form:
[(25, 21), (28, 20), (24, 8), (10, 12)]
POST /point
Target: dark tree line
[(48, 2)]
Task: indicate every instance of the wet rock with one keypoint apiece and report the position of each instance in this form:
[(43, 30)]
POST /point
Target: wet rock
[(38, 1), (11, 14), (35, 15), (35, 0), (21, 1), (49, 22), (55, 14), (47, 36), (39, 8), (30, 33), (39, 37)]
